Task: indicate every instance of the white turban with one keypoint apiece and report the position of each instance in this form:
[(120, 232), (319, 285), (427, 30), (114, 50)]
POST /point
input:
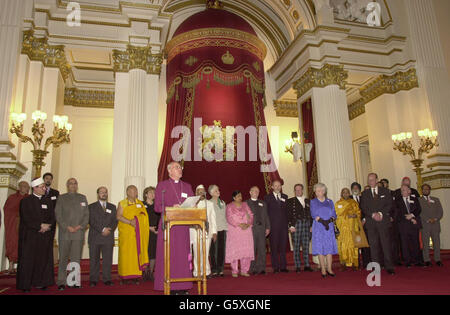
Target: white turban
[(37, 182), (200, 187)]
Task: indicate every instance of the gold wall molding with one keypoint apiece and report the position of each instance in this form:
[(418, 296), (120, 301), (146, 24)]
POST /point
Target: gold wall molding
[(286, 109), (384, 84), (438, 181), (137, 58), (327, 75), (89, 98), (38, 49)]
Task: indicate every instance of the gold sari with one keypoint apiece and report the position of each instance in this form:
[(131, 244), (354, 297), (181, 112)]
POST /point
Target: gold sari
[(348, 253), (133, 242)]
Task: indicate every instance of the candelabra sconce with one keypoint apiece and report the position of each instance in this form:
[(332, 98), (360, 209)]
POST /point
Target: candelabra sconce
[(61, 135), (428, 141), (293, 146)]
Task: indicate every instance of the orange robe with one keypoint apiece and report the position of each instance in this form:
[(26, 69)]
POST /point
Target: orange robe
[(11, 208)]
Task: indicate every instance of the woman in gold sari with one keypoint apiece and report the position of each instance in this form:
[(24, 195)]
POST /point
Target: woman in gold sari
[(348, 216), (133, 237)]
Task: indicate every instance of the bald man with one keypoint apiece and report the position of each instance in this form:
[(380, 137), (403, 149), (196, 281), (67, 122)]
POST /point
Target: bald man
[(72, 216)]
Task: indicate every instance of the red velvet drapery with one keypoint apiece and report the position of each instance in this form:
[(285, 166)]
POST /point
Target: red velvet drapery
[(309, 137), (216, 79)]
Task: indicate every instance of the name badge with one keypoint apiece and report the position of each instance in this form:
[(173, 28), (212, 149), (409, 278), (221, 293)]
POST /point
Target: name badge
[(260, 204), (413, 196), (53, 198), (184, 195), (340, 206), (411, 201), (44, 207), (83, 204), (382, 196), (283, 200), (146, 207), (138, 206), (432, 201), (108, 211)]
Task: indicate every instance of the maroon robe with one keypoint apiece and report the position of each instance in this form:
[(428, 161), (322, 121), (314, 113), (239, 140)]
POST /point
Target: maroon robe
[(168, 193), (12, 207)]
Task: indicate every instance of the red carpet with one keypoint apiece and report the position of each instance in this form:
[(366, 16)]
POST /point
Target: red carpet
[(413, 281)]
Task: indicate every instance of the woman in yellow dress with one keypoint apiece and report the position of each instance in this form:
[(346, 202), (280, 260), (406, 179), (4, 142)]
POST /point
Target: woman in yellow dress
[(133, 237), (348, 216)]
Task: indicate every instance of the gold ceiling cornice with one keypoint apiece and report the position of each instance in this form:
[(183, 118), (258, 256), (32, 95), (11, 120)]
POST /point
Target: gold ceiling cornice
[(38, 49), (286, 109), (137, 58), (384, 84), (327, 75), (89, 98)]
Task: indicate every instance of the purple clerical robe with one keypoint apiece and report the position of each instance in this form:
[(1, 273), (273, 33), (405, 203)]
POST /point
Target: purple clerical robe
[(169, 193)]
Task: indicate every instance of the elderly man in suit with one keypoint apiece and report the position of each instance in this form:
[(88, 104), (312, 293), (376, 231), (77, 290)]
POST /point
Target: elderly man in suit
[(300, 222), (407, 214), (276, 207), (261, 229), (431, 216), (103, 223), (376, 204), (72, 216)]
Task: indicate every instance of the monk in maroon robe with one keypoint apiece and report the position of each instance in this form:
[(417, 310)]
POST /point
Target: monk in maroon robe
[(172, 193), (11, 208)]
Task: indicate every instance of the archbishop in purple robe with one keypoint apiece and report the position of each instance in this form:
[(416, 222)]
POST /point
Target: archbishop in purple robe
[(171, 193)]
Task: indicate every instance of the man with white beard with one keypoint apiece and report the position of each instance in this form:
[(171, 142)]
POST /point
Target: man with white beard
[(211, 231)]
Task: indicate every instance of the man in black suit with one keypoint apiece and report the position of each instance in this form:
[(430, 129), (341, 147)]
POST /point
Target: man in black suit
[(276, 206), (376, 204), (103, 223), (261, 228), (397, 194), (407, 210), (300, 221), (51, 193)]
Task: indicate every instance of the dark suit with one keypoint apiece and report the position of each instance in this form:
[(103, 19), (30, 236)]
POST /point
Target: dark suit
[(99, 219), (279, 230), (409, 232), (300, 218), (378, 232), (261, 223), (53, 195)]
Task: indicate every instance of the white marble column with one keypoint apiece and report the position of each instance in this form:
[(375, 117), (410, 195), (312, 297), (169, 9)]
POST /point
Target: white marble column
[(435, 81), (11, 14), (335, 162)]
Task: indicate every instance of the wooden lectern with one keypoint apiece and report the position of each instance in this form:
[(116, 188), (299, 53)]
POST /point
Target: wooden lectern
[(185, 216)]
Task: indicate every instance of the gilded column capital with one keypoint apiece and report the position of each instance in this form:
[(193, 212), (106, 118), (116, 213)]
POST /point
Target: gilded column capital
[(137, 58), (286, 109), (38, 49), (327, 75)]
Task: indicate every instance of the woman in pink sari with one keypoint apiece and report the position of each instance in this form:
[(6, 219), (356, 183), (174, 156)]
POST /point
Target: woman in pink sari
[(239, 236)]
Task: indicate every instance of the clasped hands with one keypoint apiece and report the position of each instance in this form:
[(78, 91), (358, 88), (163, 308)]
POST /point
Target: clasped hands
[(45, 228), (74, 229), (244, 226), (410, 217)]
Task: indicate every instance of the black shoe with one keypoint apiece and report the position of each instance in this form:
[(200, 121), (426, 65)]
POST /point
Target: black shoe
[(298, 270), (331, 274), (92, 284), (284, 270), (309, 269), (262, 273), (428, 264), (253, 273), (43, 288), (399, 264), (408, 266), (182, 292), (26, 291), (419, 265), (324, 275), (109, 283), (61, 287), (391, 272), (439, 264)]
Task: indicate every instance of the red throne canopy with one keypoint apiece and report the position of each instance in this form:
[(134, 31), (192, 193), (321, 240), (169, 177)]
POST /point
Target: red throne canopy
[(215, 73)]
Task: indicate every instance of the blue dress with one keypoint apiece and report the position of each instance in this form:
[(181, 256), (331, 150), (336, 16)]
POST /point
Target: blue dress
[(323, 241)]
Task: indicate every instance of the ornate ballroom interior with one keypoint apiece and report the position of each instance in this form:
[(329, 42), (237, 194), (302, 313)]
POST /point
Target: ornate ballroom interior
[(323, 77)]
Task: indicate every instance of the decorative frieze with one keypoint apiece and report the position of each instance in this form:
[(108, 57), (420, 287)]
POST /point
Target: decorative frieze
[(327, 75), (38, 49), (89, 98), (286, 109), (137, 58), (384, 84), (438, 181)]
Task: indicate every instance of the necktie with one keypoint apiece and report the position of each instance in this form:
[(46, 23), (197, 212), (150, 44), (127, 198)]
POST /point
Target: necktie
[(103, 206), (408, 207), (374, 193)]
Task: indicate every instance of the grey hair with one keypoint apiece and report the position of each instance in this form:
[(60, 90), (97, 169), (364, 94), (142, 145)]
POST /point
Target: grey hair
[(171, 164), (320, 185), (211, 187)]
